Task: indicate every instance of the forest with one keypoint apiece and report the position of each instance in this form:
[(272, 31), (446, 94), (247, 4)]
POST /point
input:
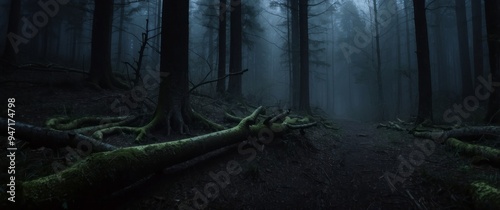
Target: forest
[(250, 104)]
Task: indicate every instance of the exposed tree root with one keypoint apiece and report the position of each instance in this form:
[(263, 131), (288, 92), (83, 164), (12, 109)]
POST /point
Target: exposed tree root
[(38, 136), (393, 126), (441, 136), (485, 196), (231, 117), (214, 126), (114, 170)]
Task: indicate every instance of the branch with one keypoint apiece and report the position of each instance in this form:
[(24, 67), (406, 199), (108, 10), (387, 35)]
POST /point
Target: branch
[(215, 80)]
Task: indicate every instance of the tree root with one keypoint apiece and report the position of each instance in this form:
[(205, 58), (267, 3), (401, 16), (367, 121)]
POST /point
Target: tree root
[(115, 170), (232, 118), (214, 126)]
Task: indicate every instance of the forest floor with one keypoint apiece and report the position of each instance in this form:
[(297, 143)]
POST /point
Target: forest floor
[(342, 168)]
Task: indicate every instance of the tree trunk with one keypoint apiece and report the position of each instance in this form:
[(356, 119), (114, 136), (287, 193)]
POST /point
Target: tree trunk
[(381, 102), (304, 55), (295, 50), (173, 99), (100, 64), (408, 58), (221, 70), (398, 57), (120, 35), (11, 48), (424, 70), (463, 44), (477, 37), (492, 13), (234, 86)]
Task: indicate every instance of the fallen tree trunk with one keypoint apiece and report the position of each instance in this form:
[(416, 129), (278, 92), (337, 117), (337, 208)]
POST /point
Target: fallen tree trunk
[(104, 173), (492, 155), (38, 136), (485, 196), (441, 136)]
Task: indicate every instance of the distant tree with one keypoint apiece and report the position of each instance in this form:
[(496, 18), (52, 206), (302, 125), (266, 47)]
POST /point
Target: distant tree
[(100, 65), (304, 55), (463, 44), (381, 102), (492, 13), (477, 37), (101, 73), (424, 68), (235, 60), (9, 54), (221, 69)]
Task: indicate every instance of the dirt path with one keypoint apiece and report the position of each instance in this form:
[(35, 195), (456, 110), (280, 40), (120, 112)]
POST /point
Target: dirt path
[(337, 170), (323, 169)]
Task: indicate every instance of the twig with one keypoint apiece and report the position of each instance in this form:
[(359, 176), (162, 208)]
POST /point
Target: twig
[(215, 80)]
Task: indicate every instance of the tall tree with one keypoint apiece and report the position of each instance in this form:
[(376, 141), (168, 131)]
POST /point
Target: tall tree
[(295, 52), (221, 70), (11, 48), (381, 102), (408, 55), (463, 45), (492, 13), (424, 67), (174, 88), (235, 60), (100, 65), (477, 37), (304, 55)]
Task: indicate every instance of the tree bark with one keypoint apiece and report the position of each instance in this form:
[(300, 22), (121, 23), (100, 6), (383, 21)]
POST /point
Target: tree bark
[(477, 37), (295, 50), (100, 64), (424, 70), (304, 55), (221, 70), (381, 102), (463, 44), (9, 54), (235, 62), (492, 12), (174, 88)]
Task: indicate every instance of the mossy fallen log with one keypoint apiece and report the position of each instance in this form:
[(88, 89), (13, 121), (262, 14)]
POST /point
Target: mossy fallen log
[(104, 173), (38, 136), (485, 196), (492, 155)]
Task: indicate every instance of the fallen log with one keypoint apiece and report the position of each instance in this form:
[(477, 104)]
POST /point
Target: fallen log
[(101, 174), (492, 155), (485, 196), (441, 136), (38, 136)]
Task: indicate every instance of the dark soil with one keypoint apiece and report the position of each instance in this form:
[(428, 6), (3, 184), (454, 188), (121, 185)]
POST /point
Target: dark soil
[(343, 168)]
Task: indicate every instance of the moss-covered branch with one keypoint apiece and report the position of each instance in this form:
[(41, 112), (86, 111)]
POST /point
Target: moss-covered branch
[(103, 173), (485, 196), (491, 154), (39, 136)]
